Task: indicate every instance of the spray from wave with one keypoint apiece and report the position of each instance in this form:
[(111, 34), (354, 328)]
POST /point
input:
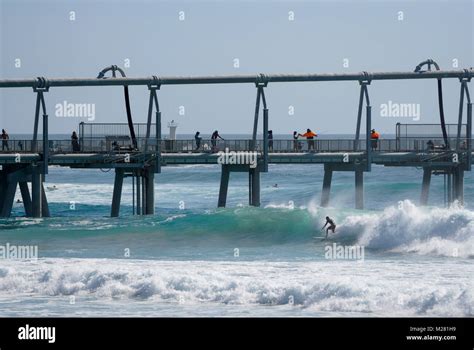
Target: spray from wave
[(411, 229)]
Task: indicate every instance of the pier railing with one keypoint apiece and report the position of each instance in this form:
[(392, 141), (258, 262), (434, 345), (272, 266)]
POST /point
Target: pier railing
[(123, 145)]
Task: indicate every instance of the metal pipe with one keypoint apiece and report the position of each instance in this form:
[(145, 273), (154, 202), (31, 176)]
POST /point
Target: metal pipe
[(265, 140), (158, 143), (148, 123), (461, 105), (45, 144), (35, 127), (233, 79), (368, 135), (469, 135), (359, 118), (255, 120)]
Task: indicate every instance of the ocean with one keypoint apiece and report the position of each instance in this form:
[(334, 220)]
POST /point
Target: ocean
[(192, 259)]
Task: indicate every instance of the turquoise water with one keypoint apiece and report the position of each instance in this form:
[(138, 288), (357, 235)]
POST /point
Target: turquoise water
[(193, 259)]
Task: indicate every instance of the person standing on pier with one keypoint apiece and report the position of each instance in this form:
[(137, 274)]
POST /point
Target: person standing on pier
[(214, 137), (310, 137), (270, 140), (296, 144), (75, 142), (198, 139), (5, 139), (374, 136)]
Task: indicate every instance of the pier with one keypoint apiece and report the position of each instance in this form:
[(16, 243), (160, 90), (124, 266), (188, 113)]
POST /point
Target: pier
[(139, 150)]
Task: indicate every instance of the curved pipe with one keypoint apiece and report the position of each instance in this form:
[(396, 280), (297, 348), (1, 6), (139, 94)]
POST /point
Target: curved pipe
[(418, 68), (114, 69)]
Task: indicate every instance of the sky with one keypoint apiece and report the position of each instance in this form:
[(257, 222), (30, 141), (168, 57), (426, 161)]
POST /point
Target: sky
[(78, 38)]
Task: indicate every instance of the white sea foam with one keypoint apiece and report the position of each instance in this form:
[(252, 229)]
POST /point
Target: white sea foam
[(408, 228), (370, 288)]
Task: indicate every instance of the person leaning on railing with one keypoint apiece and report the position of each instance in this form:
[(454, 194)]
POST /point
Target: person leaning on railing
[(374, 136), (310, 137), (430, 145), (214, 137), (296, 144), (198, 140), (5, 139), (75, 142)]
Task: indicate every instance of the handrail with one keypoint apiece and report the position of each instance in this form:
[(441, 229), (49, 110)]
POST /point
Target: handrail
[(124, 145)]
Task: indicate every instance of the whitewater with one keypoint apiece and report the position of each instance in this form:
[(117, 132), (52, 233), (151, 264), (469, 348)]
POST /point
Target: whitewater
[(192, 259)]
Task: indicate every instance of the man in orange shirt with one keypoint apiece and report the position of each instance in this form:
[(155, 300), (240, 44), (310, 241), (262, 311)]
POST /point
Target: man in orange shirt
[(310, 137), (374, 136)]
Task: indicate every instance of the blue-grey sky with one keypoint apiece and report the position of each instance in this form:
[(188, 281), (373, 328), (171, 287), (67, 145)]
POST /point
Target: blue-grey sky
[(152, 35)]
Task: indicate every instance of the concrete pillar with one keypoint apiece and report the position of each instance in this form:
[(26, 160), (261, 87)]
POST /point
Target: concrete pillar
[(2, 192), (255, 187), (25, 195), (36, 192), (118, 183), (8, 198), (326, 186), (225, 174), (143, 176), (44, 203), (450, 187), (138, 193), (359, 189), (458, 185), (425, 187), (150, 192)]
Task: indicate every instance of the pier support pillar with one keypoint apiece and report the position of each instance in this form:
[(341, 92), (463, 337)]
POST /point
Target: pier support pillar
[(138, 193), (25, 195), (36, 192), (359, 189), (8, 196), (326, 186), (254, 187), (2, 191), (150, 192), (44, 203), (425, 187), (449, 185), (458, 185), (118, 183), (225, 174)]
